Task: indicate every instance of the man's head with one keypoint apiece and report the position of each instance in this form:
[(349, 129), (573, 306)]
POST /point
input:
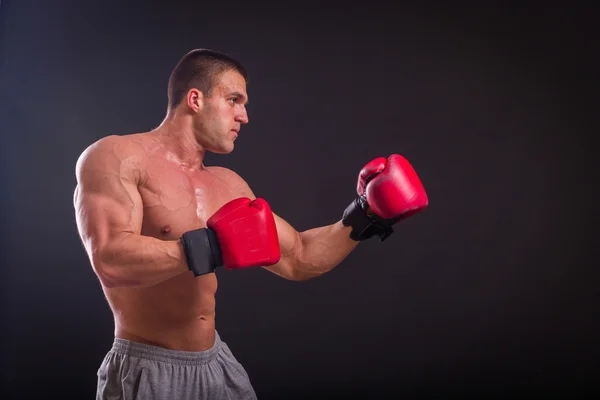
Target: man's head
[(211, 88)]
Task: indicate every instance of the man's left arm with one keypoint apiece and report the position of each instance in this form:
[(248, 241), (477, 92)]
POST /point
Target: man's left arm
[(388, 191), (311, 253)]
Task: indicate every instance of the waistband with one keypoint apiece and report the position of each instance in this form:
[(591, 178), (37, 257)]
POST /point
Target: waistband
[(155, 353)]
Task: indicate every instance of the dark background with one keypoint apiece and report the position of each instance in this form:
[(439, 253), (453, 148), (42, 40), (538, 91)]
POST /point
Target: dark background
[(493, 289)]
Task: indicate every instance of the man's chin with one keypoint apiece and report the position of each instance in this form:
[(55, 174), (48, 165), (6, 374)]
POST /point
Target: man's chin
[(223, 150)]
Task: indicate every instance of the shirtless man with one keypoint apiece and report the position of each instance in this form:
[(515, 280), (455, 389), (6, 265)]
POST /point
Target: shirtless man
[(156, 222)]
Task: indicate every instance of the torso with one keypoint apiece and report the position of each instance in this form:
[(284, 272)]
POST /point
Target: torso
[(178, 313)]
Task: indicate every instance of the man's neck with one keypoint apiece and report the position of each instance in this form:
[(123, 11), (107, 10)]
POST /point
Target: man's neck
[(180, 143)]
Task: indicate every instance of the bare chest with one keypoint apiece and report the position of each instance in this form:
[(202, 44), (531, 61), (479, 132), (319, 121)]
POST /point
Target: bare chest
[(176, 201)]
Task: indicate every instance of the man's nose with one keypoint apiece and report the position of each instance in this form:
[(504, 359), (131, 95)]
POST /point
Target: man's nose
[(242, 117)]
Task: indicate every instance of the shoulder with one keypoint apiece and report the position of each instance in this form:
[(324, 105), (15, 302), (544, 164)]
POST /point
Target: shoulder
[(233, 180), (108, 153), (224, 173)]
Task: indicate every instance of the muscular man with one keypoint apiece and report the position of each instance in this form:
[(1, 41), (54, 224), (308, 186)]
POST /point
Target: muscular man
[(156, 223)]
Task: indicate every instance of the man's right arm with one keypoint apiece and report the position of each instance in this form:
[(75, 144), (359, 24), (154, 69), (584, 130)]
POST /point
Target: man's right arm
[(109, 213)]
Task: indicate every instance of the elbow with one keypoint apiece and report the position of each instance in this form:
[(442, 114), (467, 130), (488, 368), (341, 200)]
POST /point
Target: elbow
[(302, 277), (298, 274), (105, 273), (295, 266), (289, 271), (108, 273)]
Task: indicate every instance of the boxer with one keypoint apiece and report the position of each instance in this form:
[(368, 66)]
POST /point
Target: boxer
[(157, 223)]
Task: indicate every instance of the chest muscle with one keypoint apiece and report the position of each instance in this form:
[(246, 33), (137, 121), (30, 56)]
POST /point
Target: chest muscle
[(176, 201)]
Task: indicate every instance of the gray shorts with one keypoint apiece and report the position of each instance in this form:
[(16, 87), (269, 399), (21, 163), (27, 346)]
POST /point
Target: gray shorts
[(136, 371)]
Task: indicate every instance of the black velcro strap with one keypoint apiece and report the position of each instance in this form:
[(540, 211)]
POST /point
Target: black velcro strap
[(202, 251), (364, 226)]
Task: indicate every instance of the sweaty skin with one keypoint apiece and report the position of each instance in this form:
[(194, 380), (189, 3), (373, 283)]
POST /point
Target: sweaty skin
[(137, 194), (179, 312)]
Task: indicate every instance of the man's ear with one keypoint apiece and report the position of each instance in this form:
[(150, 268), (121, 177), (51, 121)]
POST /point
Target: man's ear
[(195, 99)]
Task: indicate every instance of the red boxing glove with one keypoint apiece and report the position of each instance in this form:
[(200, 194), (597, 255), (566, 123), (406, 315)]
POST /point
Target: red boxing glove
[(392, 190), (246, 233), (240, 234)]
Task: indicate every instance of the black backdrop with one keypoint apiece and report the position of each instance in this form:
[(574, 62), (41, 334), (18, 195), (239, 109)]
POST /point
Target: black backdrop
[(492, 289)]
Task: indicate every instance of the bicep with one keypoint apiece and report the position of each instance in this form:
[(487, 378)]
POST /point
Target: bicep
[(289, 239), (107, 202)]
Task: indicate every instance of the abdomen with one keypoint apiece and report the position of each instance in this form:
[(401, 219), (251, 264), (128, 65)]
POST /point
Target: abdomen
[(178, 313)]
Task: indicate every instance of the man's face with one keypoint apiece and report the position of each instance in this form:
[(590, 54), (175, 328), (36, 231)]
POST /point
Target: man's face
[(223, 113)]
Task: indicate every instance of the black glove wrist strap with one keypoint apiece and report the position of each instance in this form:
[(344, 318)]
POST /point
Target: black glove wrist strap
[(363, 225), (202, 251)]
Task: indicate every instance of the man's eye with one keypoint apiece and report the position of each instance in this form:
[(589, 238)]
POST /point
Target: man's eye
[(232, 101)]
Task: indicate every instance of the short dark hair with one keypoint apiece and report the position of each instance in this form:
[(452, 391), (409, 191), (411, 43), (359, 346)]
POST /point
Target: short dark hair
[(198, 69)]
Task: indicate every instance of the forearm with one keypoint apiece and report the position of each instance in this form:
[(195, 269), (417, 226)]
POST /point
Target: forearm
[(318, 251), (138, 261)]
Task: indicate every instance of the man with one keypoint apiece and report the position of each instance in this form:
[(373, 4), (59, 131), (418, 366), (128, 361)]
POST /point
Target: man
[(156, 222)]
